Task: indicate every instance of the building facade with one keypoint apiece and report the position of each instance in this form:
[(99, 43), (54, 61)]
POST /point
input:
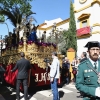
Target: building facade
[(87, 23)]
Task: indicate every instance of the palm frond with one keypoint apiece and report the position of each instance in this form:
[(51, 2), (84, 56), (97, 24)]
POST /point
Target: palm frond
[(15, 15), (9, 15)]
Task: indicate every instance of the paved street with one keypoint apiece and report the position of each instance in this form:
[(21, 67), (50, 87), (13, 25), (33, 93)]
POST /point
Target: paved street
[(67, 92)]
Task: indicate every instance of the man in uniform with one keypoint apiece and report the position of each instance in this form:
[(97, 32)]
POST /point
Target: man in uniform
[(87, 80)]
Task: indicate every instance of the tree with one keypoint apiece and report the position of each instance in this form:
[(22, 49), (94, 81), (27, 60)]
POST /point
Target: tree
[(2, 18), (15, 9), (71, 39), (60, 41), (23, 5)]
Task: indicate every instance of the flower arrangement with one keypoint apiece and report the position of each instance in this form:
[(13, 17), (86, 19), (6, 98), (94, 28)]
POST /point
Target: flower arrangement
[(39, 43)]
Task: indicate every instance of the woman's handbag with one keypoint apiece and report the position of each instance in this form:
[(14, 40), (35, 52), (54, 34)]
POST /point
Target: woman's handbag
[(74, 71)]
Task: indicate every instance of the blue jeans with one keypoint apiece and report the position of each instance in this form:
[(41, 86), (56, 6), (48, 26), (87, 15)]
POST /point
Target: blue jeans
[(55, 90), (67, 80)]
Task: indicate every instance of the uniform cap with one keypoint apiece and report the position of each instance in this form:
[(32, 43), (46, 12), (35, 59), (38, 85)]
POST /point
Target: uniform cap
[(92, 44)]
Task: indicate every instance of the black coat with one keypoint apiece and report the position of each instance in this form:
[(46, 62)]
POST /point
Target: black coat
[(23, 66), (83, 59), (2, 70)]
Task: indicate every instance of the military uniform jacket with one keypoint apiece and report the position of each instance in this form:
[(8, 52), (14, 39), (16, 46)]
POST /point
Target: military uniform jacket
[(23, 66), (86, 79)]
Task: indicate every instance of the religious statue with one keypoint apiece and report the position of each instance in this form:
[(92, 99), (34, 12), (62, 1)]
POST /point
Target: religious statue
[(32, 35), (44, 37), (13, 38), (10, 39)]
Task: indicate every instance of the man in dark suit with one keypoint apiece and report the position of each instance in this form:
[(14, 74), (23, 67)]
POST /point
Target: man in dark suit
[(23, 66), (2, 71)]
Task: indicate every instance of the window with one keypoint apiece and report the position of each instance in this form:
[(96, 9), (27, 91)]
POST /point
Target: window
[(84, 23), (84, 20)]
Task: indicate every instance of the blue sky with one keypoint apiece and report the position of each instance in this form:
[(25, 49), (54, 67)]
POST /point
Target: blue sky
[(45, 10)]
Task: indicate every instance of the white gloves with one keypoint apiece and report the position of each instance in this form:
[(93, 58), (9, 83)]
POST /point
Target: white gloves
[(97, 92)]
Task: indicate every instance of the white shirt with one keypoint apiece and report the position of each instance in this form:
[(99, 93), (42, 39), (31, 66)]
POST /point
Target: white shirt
[(54, 68)]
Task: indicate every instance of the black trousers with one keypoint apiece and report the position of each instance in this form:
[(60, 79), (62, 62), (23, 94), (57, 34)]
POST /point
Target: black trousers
[(2, 77), (25, 85)]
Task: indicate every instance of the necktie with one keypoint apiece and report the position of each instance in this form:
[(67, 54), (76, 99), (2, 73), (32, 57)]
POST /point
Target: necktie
[(95, 66)]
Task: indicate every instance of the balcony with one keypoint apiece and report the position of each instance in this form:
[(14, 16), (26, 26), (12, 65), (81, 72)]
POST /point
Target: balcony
[(83, 32)]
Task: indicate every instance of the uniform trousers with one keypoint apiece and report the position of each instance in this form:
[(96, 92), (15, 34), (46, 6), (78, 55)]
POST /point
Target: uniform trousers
[(25, 86), (55, 89), (90, 98)]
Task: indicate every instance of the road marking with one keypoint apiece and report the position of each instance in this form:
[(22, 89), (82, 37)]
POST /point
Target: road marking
[(22, 95), (32, 98), (13, 93), (45, 93)]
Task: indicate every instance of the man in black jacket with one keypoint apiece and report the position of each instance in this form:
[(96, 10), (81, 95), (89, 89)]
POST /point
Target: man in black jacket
[(66, 67), (23, 66), (83, 56), (2, 71)]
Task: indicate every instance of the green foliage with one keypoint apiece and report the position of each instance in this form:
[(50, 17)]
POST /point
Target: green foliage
[(23, 5), (2, 18), (15, 9), (71, 39), (60, 41)]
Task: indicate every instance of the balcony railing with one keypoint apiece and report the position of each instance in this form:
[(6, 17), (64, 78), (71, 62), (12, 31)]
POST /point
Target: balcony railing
[(83, 31)]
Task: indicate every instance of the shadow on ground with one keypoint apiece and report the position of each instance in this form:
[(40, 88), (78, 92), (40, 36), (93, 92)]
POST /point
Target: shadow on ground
[(61, 94), (7, 93), (32, 91)]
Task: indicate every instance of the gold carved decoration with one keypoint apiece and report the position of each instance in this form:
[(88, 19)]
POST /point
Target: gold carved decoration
[(36, 54)]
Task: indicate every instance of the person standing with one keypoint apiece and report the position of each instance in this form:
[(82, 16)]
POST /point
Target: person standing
[(66, 67), (83, 56), (87, 80), (54, 75), (23, 67), (43, 39), (74, 69), (2, 71)]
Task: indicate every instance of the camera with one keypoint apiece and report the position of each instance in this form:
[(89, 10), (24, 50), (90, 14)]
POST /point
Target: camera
[(46, 60)]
